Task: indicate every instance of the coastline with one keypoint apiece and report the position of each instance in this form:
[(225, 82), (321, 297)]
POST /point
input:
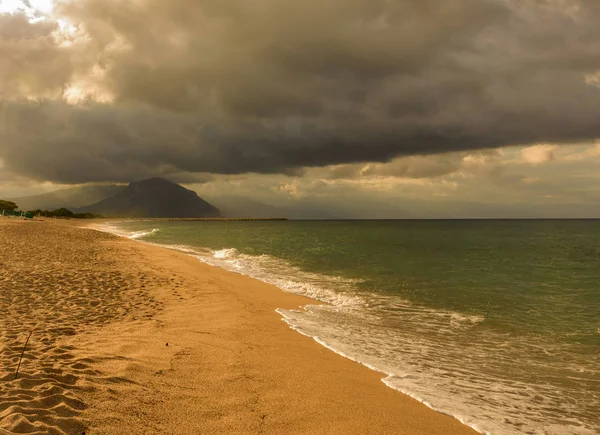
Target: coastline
[(231, 364)]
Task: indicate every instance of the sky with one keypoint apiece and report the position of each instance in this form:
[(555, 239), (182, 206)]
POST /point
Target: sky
[(374, 108)]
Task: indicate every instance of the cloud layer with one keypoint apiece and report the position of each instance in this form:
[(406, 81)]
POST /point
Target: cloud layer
[(105, 90)]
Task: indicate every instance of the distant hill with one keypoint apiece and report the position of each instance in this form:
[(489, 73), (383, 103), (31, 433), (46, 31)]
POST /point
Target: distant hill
[(155, 197), (73, 197)]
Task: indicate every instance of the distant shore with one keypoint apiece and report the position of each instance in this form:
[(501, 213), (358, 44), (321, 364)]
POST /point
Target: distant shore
[(213, 219), (133, 338)]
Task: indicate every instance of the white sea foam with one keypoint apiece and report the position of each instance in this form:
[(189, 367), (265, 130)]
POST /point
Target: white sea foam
[(116, 229), (140, 234), (333, 290)]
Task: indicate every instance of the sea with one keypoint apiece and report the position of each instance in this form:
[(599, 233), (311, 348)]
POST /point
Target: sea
[(494, 322)]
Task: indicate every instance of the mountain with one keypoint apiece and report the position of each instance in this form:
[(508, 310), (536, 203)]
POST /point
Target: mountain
[(155, 197), (72, 197)]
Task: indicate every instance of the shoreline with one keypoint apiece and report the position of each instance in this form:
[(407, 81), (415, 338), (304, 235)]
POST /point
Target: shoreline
[(205, 219), (280, 311), (215, 347), (310, 301)]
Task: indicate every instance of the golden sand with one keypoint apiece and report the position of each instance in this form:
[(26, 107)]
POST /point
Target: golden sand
[(130, 338)]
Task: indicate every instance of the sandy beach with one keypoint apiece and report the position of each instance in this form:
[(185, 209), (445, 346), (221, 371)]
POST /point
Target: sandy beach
[(130, 338)]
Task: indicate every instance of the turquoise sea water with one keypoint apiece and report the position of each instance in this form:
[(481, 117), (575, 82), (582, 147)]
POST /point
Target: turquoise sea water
[(494, 322)]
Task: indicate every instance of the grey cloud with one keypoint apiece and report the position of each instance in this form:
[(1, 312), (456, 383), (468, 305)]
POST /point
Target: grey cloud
[(231, 87), (419, 167), (407, 167), (29, 60)]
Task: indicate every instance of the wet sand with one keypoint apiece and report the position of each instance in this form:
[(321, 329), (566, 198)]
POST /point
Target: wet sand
[(130, 338)]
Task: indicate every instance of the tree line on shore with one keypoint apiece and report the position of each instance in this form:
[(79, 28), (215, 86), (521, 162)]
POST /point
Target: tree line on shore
[(12, 208)]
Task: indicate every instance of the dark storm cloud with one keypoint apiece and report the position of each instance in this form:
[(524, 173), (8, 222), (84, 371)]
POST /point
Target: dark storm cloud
[(269, 86)]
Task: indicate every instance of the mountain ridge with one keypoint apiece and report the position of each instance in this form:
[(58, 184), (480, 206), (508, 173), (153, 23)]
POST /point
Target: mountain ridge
[(153, 197)]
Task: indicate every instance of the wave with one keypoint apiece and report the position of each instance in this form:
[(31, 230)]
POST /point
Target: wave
[(115, 229), (334, 290), (140, 234)]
